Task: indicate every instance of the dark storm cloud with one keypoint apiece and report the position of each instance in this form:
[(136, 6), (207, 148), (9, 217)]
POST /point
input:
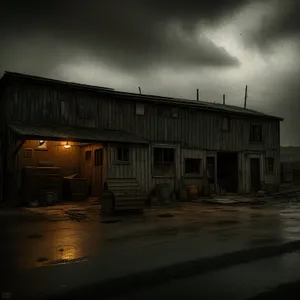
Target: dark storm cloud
[(129, 34), (281, 24)]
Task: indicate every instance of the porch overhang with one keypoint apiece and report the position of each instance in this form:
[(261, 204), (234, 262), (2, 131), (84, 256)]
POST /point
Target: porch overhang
[(74, 134)]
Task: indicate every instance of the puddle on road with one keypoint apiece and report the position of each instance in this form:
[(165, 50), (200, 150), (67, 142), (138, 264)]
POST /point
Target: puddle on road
[(47, 263)]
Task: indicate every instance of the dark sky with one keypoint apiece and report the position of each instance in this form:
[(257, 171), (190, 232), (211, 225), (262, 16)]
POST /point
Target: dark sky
[(169, 48)]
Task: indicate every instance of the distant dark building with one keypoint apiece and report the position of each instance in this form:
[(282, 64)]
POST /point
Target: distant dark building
[(110, 136), (290, 164)]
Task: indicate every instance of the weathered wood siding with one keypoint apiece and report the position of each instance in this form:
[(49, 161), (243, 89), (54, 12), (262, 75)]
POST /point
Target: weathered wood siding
[(67, 159), (187, 180), (193, 132), (192, 128), (95, 174)]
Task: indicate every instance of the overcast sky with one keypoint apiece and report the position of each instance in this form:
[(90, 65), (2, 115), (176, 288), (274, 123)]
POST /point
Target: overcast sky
[(168, 48)]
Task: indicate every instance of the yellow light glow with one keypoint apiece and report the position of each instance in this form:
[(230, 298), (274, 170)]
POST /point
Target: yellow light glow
[(67, 146)]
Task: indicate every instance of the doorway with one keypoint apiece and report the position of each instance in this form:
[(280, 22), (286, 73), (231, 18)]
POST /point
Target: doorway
[(93, 162), (255, 174), (227, 171), (210, 167)]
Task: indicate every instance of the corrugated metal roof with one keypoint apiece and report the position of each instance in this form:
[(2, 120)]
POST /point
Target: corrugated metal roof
[(203, 105), (86, 135)]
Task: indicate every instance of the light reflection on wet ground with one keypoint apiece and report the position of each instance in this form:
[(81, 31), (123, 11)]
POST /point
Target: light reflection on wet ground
[(274, 223)]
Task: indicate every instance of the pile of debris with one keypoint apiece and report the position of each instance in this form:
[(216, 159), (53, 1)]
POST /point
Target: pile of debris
[(44, 198)]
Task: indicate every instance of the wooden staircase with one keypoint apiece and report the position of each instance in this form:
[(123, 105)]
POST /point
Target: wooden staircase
[(122, 194)]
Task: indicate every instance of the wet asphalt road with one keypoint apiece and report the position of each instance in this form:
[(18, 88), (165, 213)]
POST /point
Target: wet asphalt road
[(42, 256)]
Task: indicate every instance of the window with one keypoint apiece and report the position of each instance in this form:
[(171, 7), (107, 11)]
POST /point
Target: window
[(270, 164), (28, 152), (164, 161), (192, 166), (225, 124), (98, 157), (164, 111), (256, 133), (123, 154), (140, 109), (88, 155), (175, 113)]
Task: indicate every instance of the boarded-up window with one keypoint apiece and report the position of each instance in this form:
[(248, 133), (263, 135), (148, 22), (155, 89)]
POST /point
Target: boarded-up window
[(256, 133), (164, 161), (225, 123), (270, 164), (122, 154), (99, 157), (140, 109), (192, 166), (88, 155), (28, 152)]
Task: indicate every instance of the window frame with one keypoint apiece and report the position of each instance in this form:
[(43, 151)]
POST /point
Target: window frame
[(138, 107), (117, 160), (28, 150), (192, 174), (228, 124), (172, 164), (252, 138)]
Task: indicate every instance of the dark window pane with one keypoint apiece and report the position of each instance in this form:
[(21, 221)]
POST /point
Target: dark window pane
[(164, 161), (192, 166), (123, 154), (99, 157), (256, 133)]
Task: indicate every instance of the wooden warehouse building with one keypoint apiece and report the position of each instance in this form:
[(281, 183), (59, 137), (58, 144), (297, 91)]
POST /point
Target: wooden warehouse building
[(109, 136)]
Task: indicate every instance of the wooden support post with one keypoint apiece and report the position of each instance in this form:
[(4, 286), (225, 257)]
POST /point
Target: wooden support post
[(246, 96), (19, 146)]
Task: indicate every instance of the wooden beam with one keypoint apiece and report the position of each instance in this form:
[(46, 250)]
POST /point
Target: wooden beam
[(18, 148)]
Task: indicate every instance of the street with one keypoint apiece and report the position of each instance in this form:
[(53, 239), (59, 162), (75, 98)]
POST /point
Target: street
[(190, 250)]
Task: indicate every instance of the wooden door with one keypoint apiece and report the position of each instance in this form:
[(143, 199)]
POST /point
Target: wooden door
[(210, 170), (97, 173), (255, 174), (87, 167)]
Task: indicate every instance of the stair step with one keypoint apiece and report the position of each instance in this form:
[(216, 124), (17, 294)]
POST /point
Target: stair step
[(116, 180), (122, 184), (123, 188), (130, 206), (125, 200)]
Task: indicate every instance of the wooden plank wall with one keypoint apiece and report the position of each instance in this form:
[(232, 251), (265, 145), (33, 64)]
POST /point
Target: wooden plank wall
[(192, 128), (67, 159), (94, 174)]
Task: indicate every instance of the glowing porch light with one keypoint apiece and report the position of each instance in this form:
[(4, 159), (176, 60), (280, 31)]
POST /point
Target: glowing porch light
[(67, 146)]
